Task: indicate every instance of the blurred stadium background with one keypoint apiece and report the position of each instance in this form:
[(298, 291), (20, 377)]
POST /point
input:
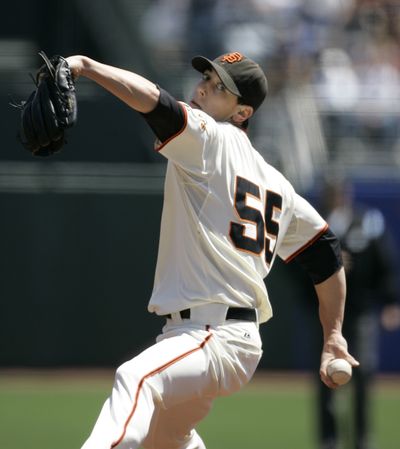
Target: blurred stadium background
[(80, 230)]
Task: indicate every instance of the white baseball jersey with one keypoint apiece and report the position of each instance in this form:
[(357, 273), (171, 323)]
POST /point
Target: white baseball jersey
[(227, 214)]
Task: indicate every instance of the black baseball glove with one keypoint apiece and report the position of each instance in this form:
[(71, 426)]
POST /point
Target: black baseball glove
[(50, 109)]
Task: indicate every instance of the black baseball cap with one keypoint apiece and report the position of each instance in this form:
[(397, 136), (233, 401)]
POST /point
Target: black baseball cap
[(240, 75)]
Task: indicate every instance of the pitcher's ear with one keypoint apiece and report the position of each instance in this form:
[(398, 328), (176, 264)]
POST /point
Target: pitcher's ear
[(243, 113)]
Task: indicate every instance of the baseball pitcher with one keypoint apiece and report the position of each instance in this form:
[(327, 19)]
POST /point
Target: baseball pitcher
[(227, 214)]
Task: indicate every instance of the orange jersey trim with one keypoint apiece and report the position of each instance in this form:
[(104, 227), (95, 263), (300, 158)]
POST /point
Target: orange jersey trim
[(309, 243), (152, 373), (160, 147)]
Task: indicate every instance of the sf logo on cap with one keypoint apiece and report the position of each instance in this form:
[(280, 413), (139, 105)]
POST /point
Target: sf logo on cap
[(232, 57)]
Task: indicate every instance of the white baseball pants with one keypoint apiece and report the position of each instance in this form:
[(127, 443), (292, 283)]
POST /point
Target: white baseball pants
[(160, 395)]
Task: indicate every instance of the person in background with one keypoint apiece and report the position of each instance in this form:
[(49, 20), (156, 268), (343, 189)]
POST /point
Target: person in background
[(371, 287)]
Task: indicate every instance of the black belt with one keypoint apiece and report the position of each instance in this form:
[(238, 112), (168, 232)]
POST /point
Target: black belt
[(233, 313)]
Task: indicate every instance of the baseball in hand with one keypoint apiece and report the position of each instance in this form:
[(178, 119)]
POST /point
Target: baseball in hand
[(339, 370)]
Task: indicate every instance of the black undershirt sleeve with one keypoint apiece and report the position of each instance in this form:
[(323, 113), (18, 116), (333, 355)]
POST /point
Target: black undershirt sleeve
[(321, 259), (167, 118)]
